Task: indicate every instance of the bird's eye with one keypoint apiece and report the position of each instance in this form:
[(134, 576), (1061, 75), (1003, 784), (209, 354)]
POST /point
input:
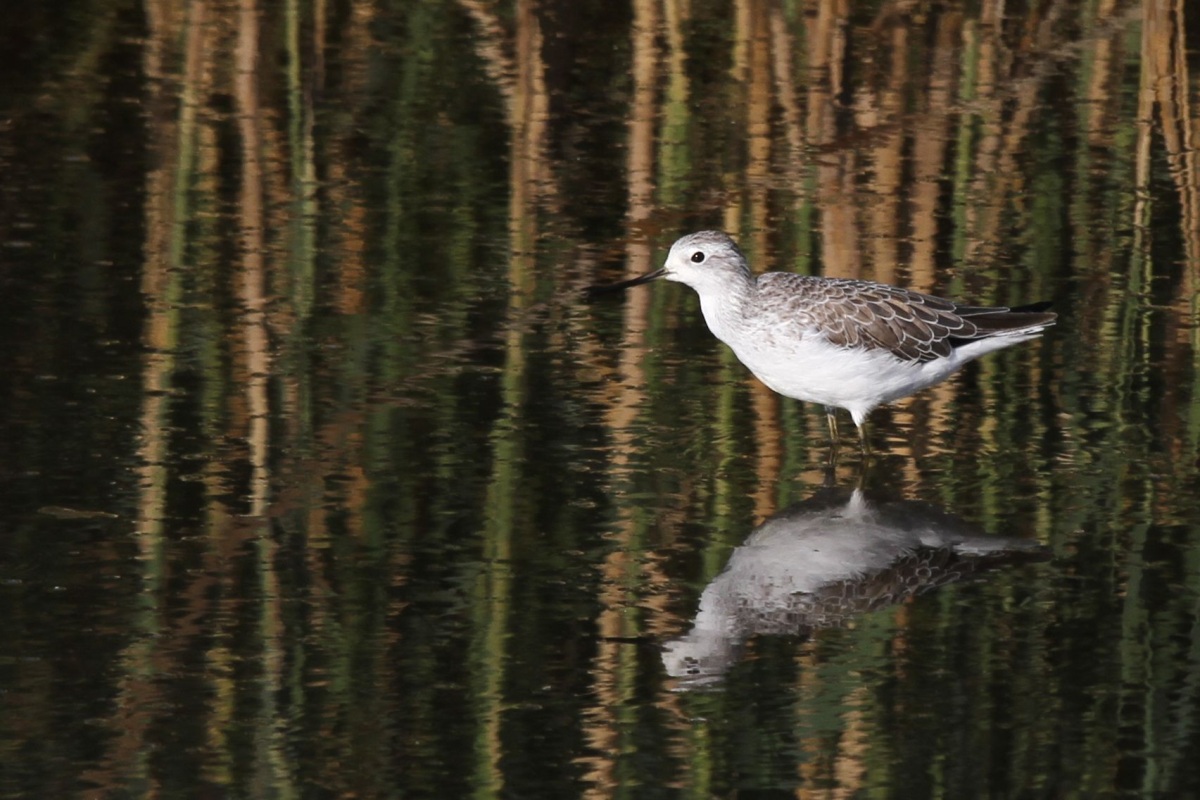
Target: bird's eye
[(698, 256)]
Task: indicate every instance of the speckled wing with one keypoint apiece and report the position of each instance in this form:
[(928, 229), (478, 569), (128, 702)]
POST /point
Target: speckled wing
[(912, 326)]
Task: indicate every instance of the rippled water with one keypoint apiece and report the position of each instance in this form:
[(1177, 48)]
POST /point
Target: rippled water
[(320, 478)]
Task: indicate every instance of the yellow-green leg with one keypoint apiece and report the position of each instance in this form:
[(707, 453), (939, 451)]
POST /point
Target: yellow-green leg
[(831, 418), (862, 437)]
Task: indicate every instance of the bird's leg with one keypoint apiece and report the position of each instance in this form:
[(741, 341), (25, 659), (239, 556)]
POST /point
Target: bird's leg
[(862, 437), (831, 458), (831, 418), (830, 477)]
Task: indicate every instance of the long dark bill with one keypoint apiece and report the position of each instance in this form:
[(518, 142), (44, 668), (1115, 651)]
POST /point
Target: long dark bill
[(593, 292)]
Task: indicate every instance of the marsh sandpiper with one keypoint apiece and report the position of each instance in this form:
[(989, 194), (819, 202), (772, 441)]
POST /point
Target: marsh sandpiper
[(842, 343)]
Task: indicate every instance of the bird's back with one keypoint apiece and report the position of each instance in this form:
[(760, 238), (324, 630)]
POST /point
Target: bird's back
[(912, 326)]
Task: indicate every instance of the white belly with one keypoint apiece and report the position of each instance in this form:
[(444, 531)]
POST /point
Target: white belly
[(855, 379)]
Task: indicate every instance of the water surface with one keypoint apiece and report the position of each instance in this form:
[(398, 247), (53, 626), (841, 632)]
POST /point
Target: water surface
[(320, 478)]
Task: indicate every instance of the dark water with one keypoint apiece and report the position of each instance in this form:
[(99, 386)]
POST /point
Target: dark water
[(319, 479)]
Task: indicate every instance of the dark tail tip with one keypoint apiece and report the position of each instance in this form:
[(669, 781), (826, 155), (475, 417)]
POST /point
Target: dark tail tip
[(593, 293)]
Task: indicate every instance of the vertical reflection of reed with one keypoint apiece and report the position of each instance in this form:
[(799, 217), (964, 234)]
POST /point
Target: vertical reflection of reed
[(880, 113), (1166, 88), (1168, 81), (303, 195), (1093, 242), (675, 154), (980, 134), (783, 64), (172, 147), (257, 362), (252, 286), (614, 665), (837, 166), (522, 83), (930, 140)]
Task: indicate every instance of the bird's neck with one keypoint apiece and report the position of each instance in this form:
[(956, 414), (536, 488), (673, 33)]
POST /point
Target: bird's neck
[(724, 307)]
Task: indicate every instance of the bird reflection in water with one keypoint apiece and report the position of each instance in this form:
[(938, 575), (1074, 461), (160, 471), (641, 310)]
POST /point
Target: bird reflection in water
[(823, 561)]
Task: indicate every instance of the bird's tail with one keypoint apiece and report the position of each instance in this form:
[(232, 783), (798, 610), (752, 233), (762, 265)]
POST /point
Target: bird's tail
[(1032, 318)]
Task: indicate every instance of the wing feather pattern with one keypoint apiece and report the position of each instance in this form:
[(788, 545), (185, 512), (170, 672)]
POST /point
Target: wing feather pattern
[(912, 326)]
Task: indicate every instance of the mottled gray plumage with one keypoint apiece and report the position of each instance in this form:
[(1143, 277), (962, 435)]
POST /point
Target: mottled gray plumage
[(910, 325)]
